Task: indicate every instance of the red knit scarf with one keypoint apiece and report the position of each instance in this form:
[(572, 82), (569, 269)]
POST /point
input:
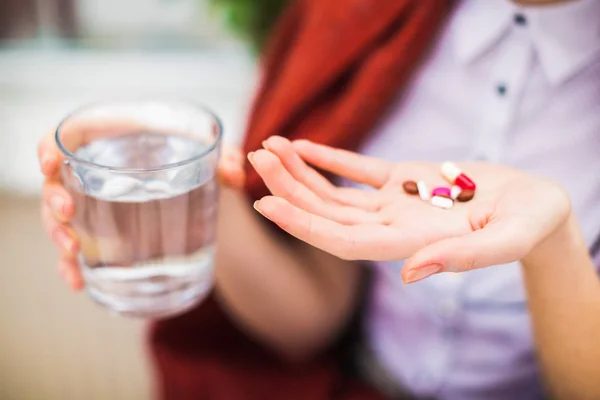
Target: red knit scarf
[(335, 66)]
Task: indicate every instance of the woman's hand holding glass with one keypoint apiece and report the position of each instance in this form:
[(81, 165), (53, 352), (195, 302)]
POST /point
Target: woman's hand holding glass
[(511, 213), (58, 207)]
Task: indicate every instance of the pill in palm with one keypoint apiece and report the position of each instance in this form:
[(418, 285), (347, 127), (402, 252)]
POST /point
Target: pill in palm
[(441, 191), (423, 191), (454, 175), (455, 192), (465, 195), (410, 187), (442, 202)]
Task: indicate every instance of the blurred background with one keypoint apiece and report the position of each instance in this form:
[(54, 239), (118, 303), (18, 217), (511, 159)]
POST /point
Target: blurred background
[(56, 55)]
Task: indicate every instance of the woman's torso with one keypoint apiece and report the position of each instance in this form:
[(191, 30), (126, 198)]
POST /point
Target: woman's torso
[(520, 91)]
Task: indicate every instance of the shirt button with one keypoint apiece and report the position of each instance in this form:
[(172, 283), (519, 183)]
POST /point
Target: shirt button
[(520, 19), (501, 89)]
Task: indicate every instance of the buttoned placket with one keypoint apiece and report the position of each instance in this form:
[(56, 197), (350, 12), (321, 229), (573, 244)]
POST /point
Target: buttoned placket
[(499, 101)]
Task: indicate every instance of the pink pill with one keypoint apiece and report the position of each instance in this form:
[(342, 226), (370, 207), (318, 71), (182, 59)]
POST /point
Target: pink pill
[(441, 191)]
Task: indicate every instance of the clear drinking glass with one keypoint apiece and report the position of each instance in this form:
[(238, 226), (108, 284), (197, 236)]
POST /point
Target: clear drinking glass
[(143, 177)]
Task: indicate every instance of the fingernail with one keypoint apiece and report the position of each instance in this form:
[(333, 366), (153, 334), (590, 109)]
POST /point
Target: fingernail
[(255, 205), (251, 157), (58, 205), (65, 241), (420, 273), (266, 145)]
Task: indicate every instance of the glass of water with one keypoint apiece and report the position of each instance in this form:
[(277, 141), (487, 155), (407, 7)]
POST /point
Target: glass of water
[(142, 174)]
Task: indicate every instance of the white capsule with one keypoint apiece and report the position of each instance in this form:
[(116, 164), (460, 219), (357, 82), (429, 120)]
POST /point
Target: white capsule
[(442, 202), (455, 191), (450, 171), (423, 191)]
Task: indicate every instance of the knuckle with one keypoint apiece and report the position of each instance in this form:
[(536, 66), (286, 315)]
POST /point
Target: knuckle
[(267, 164), (293, 192), (310, 226), (467, 264)]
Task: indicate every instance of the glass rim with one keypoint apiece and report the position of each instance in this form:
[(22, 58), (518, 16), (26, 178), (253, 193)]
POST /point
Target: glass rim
[(198, 106)]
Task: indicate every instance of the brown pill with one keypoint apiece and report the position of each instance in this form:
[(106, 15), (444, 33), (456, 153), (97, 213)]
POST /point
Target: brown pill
[(410, 187), (466, 195), (444, 195)]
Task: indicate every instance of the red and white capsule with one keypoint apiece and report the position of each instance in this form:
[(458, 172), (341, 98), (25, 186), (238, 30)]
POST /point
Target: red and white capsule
[(454, 192), (455, 176)]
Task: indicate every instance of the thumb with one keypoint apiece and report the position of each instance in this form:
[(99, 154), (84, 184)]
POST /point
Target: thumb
[(498, 242), (231, 168)]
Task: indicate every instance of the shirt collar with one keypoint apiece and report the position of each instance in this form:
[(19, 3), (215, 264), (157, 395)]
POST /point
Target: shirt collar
[(566, 37)]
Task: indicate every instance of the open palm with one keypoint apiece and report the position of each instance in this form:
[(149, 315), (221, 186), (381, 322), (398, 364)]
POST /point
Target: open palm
[(511, 212)]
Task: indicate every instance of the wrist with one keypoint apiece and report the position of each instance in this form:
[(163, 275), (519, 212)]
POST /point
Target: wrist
[(561, 243)]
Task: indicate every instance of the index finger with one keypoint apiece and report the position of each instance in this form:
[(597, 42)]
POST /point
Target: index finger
[(316, 182), (349, 242), (77, 133), (358, 168)]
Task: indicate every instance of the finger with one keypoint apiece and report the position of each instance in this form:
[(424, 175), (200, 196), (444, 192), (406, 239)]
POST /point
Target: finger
[(282, 184), (233, 153), (231, 168), (49, 156), (316, 182), (284, 149), (350, 242), (496, 243), (62, 235), (76, 133), (231, 177), (362, 169), (368, 201), (69, 270), (58, 201)]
